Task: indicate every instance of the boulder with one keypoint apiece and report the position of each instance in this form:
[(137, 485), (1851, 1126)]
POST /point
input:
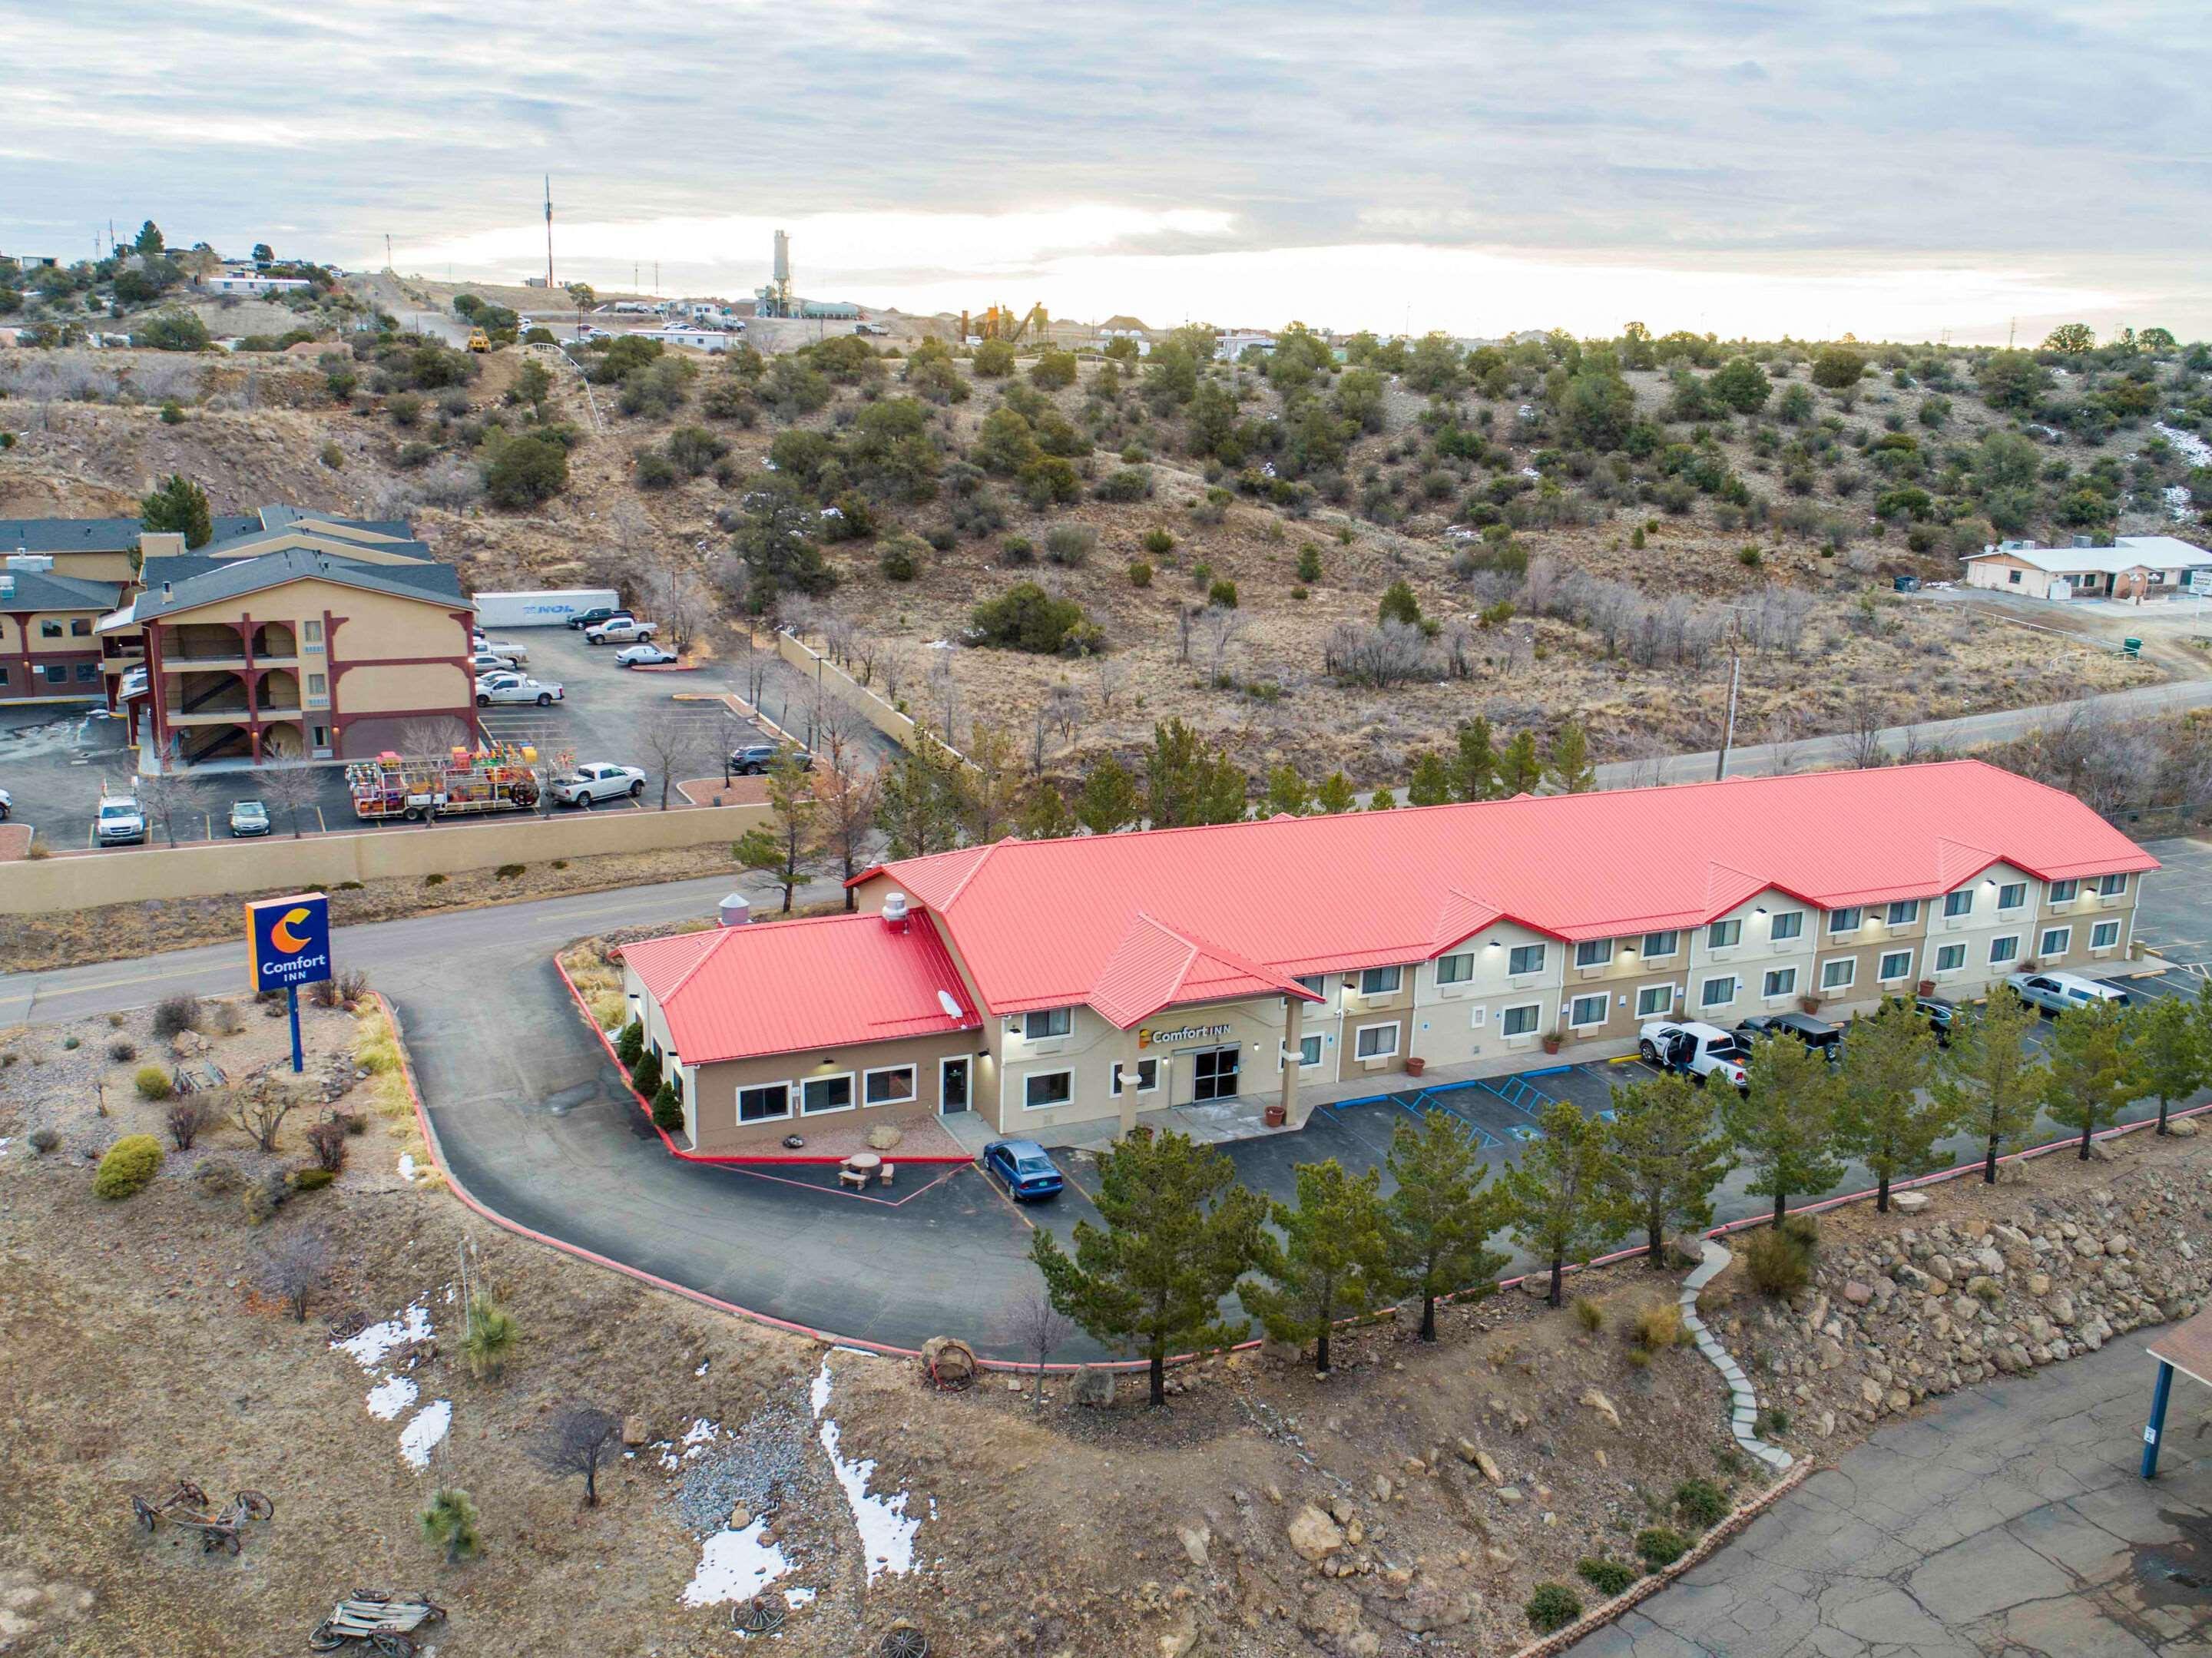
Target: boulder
[(1909, 1203), (2038, 1284), (1194, 1539), (883, 1136), (634, 1432), (948, 1361), (1430, 1606), (1604, 1407), (740, 1517), (2182, 1127), (1095, 1387), (1857, 1294), (1312, 1534)]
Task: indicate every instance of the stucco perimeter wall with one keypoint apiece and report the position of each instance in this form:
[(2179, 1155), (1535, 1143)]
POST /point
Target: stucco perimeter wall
[(872, 707), (36, 887)]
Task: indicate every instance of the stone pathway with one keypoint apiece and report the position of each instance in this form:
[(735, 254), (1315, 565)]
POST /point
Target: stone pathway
[(1743, 1419)]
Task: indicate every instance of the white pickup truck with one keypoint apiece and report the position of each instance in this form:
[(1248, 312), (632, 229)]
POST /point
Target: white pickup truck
[(1699, 1050), (514, 688), (587, 785), (621, 629)]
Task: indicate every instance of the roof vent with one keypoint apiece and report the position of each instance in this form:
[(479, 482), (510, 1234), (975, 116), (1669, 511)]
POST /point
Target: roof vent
[(7, 587), (2085, 541), (735, 910), (894, 911), (165, 590)]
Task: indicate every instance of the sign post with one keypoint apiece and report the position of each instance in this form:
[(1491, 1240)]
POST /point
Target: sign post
[(289, 941)]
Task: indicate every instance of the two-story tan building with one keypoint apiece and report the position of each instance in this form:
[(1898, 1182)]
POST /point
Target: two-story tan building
[(1295, 960), (50, 648)]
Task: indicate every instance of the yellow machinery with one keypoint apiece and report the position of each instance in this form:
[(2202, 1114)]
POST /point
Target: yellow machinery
[(499, 778), (478, 340), (997, 323)]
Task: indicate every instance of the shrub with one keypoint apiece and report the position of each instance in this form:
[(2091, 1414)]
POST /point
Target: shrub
[(1399, 604), (152, 1083), (897, 560), (507, 871), (1026, 618), (1553, 1607), (1778, 1264), (1300, 592), (131, 1163), (333, 457), (1069, 544), (313, 1180), (121, 1050), (1588, 1315), (186, 1118), (668, 1109), (1125, 483), (435, 878), (1657, 1328), (1608, 1578), (1701, 1503), (1140, 574), (655, 469), (229, 1020), (1661, 1545), (327, 1140), (176, 1015), (1158, 543), (491, 1334), (450, 1522), (1750, 557), (630, 1044), (1222, 595), (1017, 550), (172, 414), (44, 1140), (645, 1075), (525, 471), (262, 1198)]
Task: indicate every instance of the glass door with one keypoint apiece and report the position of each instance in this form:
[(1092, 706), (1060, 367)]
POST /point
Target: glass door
[(1216, 1074), (952, 1086)]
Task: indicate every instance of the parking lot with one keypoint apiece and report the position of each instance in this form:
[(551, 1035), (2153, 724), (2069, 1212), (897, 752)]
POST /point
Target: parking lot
[(55, 762)]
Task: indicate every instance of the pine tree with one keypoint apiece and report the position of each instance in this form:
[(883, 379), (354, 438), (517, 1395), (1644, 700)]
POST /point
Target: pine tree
[(1381, 800), (992, 791), (919, 804), (1783, 1128), (1475, 773), (2169, 1042), (1569, 769), (1287, 793), (2091, 1077), (179, 505), (1187, 785), (668, 1108), (449, 1521), (1179, 1232), (630, 1044), (1887, 1116), (1667, 1158), (1441, 1215), (1333, 1260), (1108, 803), (785, 847), (1431, 785), (1519, 772), (1992, 1077), (1560, 1197), (1045, 816), (1335, 795), (645, 1075), (1399, 604)]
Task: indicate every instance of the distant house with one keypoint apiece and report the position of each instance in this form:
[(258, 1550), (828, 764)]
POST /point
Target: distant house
[(2133, 569), (1128, 328), (232, 282), (1235, 343), (698, 338)]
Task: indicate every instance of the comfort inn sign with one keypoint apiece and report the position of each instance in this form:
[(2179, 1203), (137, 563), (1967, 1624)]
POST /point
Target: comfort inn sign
[(1181, 1033)]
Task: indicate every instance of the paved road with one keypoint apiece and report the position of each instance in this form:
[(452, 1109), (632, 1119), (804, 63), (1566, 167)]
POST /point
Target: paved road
[(2005, 1521)]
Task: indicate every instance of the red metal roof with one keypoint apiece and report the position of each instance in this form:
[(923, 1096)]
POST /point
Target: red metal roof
[(1049, 923), (783, 987)]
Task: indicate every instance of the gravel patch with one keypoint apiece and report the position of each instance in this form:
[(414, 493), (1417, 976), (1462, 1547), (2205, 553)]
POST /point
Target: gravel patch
[(763, 1465)]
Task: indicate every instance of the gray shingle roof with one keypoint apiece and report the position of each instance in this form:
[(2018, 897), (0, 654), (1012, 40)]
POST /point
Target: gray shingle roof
[(92, 535), (185, 583), (42, 590)]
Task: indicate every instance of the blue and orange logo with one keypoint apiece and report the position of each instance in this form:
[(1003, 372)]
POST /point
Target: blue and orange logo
[(291, 940)]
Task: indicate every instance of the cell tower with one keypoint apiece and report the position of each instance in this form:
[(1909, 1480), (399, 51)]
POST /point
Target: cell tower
[(549, 230)]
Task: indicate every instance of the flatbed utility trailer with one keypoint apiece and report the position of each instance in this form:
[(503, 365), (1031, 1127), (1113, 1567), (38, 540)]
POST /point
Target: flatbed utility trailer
[(464, 783)]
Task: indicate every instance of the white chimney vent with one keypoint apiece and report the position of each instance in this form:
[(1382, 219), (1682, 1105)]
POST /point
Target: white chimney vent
[(735, 910), (894, 911)]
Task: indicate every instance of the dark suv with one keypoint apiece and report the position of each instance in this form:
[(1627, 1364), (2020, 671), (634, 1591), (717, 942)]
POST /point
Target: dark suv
[(1939, 1011), (754, 758), (592, 617), (1818, 1034)]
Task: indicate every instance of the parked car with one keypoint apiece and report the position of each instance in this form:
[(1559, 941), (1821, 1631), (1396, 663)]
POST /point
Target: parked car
[(486, 662), (248, 817), (1939, 1011), (514, 688), (7, 805), (1699, 1050), (754, 758), (617, 629), (518, 654), (592, 617), (1023, 1165), (117, 821), (1816, 1034), (643, 656), (2062, 993), (599, 781)]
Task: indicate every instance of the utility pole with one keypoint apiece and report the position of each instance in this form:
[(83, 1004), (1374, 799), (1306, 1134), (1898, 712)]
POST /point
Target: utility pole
[(387, 249), (1735, 682), (548, 233)]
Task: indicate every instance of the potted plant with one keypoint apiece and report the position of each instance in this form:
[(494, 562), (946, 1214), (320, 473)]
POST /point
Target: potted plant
[(1415, 1065), (1928, 986), (1809, 1004), (1554, 1041)]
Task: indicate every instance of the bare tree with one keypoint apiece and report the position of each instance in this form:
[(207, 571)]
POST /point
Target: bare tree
[(578, 1440), (429, 738), (1865, 714), (1064, 704), (1041, 725), (1217, 629), (898, 666), (1113, 678), (188, 1116), (944, 690), (848, 791), (290, 790), (1042, 1329), (295, 1267), (753, 664), (161, 797), (670, 738), (865, 646), (1785, 738), (260, 1104), (678, 598)]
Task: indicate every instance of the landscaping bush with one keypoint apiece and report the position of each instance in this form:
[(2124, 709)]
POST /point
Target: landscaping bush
[(645, 1075), (1701, 1503), (121, 1050), (1608, 1578), (1777, 1263), (1140, 574), (131, 1163), (668, 1109), (630, 1043), (1661, 1545), (313, 1180), (176, 1015), (186, 1118), (1588, 1315), (152, 1083), (327, 1140), (1553, 1607), (1658, 1328), (44, 1140)]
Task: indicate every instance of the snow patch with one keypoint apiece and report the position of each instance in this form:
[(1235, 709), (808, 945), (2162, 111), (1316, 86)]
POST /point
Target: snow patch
[(411, 1171), (798, 1597), (2190, 448), (735, 1565), (368, 1348), (426, 1432), (702, 1370), (390, 1396), (885, 1528)]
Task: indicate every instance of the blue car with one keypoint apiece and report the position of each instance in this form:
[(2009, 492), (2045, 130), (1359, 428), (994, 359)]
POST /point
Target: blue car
[(1023, 1165)]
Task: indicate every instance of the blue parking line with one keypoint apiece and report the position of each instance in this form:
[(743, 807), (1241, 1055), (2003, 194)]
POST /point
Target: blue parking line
[(1517, 1089), (1487, 1140)]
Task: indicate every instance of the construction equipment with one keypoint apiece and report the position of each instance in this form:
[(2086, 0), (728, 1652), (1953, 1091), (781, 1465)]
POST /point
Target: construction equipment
[(997, 323), (499, 778), (478, 340)]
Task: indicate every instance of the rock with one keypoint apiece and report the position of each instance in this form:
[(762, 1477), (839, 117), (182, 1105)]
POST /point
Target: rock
[(634, 1432), (1466, 1450), (1940, 1267), (1193, 1540), (2182, 1127), (1604, 1407), (1897, 1399), (1825, 1424), (1537, 1285), (1831, 1353), (1272, 1491), (1488, 1464), (1870, 1390), (740, 1517), (1432, 1604), (1382, 1488), (1312, 1535), (1985, 1289), (883, 1136), (1365, 1644), (2118, 1244), (1857, 1294), (2038, 1284), (2103, 1152), (1510, 1495), (1094, 1387), (948, 1361), (1909, 1203)]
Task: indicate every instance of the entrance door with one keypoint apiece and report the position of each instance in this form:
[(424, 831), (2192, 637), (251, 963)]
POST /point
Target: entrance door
[(1216, 1074), (952, 1085)]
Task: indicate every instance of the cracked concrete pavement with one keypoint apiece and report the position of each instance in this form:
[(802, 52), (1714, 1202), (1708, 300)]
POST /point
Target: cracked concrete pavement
[(2006, 1522)]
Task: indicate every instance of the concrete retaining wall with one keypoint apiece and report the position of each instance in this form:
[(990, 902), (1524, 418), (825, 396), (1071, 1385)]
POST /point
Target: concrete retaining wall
[(872, 708), (37, 887)]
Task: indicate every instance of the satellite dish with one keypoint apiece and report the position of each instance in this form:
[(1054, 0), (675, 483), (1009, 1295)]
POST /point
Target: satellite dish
[(951, 1008)]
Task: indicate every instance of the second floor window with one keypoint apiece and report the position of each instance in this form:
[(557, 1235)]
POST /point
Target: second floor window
[(1047, 1022), (1381, 980), (1526, 958)]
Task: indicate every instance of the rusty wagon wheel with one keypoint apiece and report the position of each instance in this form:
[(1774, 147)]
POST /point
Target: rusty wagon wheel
[(758, 1616), (391, 1645), (192, 1494), (903, 1640), (147, 1514), (255, 1506), (325, 1637), (432, 1611)]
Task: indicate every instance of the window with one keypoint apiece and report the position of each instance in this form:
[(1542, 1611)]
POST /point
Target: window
[(1046, 1088), (1593, 952), (1780, 982), (1950, 958), (2005, 949), (312, 632), (1717, 992), (1904, 914), (1958, 903), (1846, 919), (1316, 983), (1047, 1022), (819, 1094), (2065, 892), (316, 683), (88, 671), (1895, 964), (1661, 944), (2012, 576), (57, 674), (1525, 958), (1788, 924), (1308, 1052), (1840, 973), (50, 631), (1456, 969), (2103, 935), (2055, 941), (1653, 1001), (1381, 980), (892, 1085), (2111, 886), (1376, 1042), (1586, 1011), (765, 1103), (2012, 895), (1520, 1020), (81, 626), (1724, 935), (1148, 1076)]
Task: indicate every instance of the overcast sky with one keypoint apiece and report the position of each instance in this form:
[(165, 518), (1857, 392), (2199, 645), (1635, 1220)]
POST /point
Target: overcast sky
[(1890, 169)]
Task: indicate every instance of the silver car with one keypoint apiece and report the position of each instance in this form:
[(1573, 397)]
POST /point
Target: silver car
[(248, 817), (2063, 992)]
